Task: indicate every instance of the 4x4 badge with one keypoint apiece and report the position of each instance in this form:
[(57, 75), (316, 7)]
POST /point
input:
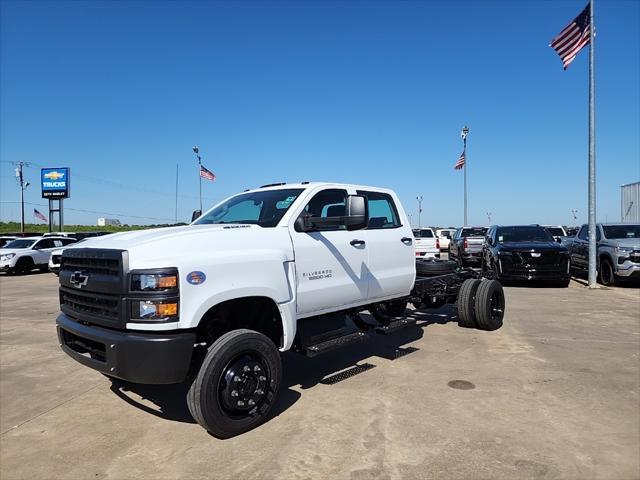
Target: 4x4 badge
[(78, 280)]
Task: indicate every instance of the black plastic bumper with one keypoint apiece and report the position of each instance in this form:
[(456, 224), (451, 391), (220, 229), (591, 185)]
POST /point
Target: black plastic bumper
[(135, 357), (535, 276)]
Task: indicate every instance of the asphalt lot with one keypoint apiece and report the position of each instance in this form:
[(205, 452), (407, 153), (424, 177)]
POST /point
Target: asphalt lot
[(555, 393)]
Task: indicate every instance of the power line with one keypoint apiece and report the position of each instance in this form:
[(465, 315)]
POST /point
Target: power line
[(111, 183), (96, 211)]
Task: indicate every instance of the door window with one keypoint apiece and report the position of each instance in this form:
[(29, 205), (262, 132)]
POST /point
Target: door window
[(44, 243), (382, 210), (328, 203)]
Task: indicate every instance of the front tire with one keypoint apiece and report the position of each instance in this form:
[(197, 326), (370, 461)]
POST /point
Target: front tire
[(24, 266), (237, 385), (607, 275)]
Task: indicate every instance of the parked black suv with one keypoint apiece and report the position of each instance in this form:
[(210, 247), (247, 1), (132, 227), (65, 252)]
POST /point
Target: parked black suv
[(525, 252)]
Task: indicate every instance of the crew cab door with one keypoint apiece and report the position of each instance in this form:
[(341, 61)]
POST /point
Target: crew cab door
[(331, 263), (391, 250)]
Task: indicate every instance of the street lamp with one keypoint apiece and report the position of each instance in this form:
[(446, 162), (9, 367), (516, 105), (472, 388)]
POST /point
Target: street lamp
[(419, 199)]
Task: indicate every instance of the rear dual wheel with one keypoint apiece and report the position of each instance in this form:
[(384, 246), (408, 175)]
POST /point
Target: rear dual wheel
[(481, 304)]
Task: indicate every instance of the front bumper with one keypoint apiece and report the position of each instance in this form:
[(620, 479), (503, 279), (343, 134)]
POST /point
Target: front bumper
[(628, 269), (535, 276), (132, 356)]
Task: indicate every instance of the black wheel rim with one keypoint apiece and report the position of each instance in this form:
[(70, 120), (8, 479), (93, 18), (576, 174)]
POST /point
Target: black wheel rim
[(244, 384), (496, 306)]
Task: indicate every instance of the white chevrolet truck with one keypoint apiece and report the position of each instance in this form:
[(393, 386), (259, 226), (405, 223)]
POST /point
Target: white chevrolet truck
[(282, 267)]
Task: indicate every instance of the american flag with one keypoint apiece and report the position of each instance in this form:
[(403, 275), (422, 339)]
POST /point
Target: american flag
[(574, 36), (460, 162), (204, 173), (39, 216)]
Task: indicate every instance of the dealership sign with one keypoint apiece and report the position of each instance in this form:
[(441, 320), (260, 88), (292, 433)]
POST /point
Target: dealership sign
[(55, 182)]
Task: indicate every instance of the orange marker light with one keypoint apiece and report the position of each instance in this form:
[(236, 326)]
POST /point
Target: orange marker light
[(166, 309), (167, 282)]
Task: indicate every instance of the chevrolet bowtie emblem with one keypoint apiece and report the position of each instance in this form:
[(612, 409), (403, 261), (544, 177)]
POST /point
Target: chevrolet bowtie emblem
[(78, 280)]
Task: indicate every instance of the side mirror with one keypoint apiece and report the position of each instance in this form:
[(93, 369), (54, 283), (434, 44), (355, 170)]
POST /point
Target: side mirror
[(558, 239), (490, 241), (195, 215), (357, 212)]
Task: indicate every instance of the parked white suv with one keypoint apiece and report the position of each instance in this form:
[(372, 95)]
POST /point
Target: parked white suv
[(22, 255), (444, 237), (427, 244)]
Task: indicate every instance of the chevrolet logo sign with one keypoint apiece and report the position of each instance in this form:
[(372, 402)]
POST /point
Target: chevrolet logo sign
[(78, 279), (53, 175)]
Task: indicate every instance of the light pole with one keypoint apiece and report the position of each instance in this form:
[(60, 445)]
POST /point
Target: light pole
[(463, 134), (575, 216), (23, 186), (489, 217), (196, 150), (409, 215), (419, 199)]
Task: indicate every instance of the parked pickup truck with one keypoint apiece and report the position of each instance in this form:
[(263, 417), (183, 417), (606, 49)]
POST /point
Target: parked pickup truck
[(281, 267), (466, 245), (618, 251)]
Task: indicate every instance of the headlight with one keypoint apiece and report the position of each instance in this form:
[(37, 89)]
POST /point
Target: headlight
[(7, 256), (624, 249), (503, 253), (148, 282), (156, 310)]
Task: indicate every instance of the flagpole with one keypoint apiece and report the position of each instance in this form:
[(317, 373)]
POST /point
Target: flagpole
[(465, 132), (196, 150), (592, 155)]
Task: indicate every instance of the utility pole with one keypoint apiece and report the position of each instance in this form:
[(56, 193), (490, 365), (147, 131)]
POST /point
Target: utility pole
[(463, 134), (419, 199), (23, 186), (196, 150)]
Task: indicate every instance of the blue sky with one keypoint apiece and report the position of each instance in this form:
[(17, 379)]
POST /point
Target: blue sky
[(359, 92)]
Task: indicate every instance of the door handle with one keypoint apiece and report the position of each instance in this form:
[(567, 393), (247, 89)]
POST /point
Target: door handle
[(357, 243), (406, 240)]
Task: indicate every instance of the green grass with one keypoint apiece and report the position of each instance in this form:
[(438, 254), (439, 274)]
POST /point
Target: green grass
[(12, 227)]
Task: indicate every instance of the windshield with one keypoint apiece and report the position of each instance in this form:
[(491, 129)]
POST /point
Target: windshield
[(473, 232), (523, 234), (621, 231), (555, 231), (264, 208), (423, 234), (20, 243)]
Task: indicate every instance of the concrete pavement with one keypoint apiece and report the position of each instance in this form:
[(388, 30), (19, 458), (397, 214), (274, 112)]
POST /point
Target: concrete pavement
[(555, 393)]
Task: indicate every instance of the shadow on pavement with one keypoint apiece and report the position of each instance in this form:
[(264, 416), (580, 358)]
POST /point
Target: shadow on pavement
[(170, 400)]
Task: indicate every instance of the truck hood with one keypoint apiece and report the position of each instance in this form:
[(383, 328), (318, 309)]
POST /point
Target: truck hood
[(4, 251), (623, 242), (161, 247)]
